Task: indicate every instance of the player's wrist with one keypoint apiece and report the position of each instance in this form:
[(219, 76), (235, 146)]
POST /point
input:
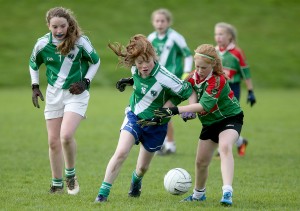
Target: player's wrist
[(174, 110), (35, 86), (87, 82)]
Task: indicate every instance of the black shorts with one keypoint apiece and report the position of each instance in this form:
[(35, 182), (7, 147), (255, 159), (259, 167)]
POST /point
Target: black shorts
[(212, 131)]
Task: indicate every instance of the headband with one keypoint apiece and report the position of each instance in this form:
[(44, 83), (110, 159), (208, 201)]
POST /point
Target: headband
[(206, 56)]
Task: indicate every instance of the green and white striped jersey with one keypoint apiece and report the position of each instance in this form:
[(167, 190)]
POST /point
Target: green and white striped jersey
[(154, 91), (171, 50), (61, 71)]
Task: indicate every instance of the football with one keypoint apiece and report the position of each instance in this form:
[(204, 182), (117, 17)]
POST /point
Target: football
[(177, 181)]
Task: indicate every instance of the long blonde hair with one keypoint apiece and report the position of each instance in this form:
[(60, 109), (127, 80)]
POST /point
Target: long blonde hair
[(74, 31), (138, 46), (210, 55)]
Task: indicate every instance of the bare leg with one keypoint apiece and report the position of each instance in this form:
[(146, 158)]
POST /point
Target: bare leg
[(55, 148), (69, 125), (204, 155), (126, 141), (226, 141), (143, 161)]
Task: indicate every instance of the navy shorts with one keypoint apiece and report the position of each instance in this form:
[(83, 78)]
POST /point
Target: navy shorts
[(212, 131), (152, 137)]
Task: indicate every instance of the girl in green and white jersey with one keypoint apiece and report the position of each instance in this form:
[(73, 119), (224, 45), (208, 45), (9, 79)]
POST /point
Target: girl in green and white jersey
[(71, 63), (154, 87), (174, 54)]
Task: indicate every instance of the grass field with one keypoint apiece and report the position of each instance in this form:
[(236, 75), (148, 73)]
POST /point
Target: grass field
[(267, 178), (268, 32)]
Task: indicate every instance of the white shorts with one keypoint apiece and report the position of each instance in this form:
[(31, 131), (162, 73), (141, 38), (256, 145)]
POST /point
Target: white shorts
[(59, 101)]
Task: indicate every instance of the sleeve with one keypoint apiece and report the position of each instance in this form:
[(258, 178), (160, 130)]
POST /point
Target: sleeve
[(90, 54), (35, 62), (179, 90), (181, 43), (36, 58), (245, 70)]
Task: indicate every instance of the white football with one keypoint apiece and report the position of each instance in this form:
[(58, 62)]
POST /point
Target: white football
[(177, 181)]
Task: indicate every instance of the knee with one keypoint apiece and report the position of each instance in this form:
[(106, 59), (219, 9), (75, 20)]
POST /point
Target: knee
[(202, 163), (225, 149), (54, 143), (66, 138), (120, 156)]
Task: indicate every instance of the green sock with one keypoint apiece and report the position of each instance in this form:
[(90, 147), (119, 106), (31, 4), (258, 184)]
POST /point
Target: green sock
[(105, 189), (57, 182), (70, 172), (135, 178)]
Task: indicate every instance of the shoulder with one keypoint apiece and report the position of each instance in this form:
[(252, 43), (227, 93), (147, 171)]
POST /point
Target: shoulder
[(133, 70), (217, 81), (238, 52), (151, 36), (42, 41), (83, 39), (175, 35)]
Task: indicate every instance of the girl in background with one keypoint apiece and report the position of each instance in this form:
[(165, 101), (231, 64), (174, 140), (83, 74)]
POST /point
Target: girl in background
[(174, 54), (236, 68)]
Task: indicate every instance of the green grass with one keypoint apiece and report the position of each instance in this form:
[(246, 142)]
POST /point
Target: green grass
[(268, 32), (267, 178)]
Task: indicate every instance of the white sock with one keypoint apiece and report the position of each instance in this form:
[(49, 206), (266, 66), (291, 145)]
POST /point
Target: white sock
[(227, 188), (240, 141), (198, 193), (170, 145)]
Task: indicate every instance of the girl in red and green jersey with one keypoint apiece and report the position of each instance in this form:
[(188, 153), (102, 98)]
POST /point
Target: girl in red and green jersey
[(233, 60), (235, 66), (221, 117)]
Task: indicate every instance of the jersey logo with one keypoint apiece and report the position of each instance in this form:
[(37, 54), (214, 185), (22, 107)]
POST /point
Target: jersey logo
[(153, 93), (50, 59), (143, 90), (71, 56)]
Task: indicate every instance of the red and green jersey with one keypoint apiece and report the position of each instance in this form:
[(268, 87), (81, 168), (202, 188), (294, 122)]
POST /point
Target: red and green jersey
[(216, 97), (234, 63)]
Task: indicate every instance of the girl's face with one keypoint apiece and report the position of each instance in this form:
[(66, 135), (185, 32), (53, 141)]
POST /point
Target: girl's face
[(222, 37), (202, 67), (59, 27), (160, 23), (144, 66)]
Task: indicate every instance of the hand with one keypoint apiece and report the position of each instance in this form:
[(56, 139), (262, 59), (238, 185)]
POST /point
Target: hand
[(166, 112), (184, 76), (149, 122), (123, 82), (35, 94), (188, 116), (251, 98), (79, 86)]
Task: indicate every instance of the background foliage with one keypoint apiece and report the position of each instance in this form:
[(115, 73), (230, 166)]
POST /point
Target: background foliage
[(268, 32)]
